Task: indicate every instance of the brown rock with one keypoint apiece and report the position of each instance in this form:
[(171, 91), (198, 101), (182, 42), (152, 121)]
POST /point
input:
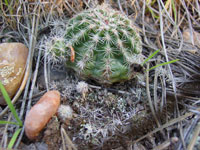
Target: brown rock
[(13, 58), (41, 113)]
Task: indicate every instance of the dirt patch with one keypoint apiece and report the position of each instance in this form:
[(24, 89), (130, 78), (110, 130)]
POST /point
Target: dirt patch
[(52, 136)]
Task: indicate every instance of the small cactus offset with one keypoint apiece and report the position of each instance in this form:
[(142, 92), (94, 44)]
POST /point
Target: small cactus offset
[(101, 44)]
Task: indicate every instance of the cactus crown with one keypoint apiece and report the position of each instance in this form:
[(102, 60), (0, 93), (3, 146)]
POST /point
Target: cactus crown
[(101, 44)]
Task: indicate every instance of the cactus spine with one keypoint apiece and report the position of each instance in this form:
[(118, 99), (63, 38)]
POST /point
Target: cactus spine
[(101, 44)]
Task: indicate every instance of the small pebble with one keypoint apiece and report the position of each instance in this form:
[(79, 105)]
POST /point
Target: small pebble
[(41, 113)]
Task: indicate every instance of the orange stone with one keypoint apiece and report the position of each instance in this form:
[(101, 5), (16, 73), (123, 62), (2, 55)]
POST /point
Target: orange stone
[(13, 58), (41, 113)]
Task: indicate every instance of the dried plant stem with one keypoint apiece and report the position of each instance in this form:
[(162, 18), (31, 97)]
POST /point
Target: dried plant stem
[(45, 72), (143, 24), (149, 97), (194, 137), (189, 21), (24, 100), (66, 140), (5, 134), (166, 144), (164, 94), (171, 122), (110, 89), (71, 7), (120, 7), (155, 86)]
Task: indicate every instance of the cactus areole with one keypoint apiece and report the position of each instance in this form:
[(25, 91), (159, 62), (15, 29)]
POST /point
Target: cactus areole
[(101, 44)]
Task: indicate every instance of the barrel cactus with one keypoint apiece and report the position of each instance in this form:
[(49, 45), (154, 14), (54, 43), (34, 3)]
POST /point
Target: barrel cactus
[(100, 44)]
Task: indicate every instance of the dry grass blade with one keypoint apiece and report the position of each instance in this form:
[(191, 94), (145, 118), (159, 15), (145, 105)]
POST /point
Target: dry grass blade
[(5, 134), (166, 144), (189, 129), (170, 69), (156, 85), (120, 7), (66, 140), (165, 53), (189, 21), (46, 75), (149, 97), (194, 137), (171, 122), (143, 24)]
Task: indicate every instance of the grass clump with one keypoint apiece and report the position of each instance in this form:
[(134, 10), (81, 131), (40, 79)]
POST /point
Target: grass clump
[(14, 112)]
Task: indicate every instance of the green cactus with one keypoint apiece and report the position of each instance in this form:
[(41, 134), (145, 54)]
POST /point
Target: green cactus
[(106, 45)]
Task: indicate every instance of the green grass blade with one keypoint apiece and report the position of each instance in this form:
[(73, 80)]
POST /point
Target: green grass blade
[(9, 103), (6, 2), (9, 7), (150, 57), (152, 13), (174, 10), (165, 63), (14, 137), (8, 122)]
